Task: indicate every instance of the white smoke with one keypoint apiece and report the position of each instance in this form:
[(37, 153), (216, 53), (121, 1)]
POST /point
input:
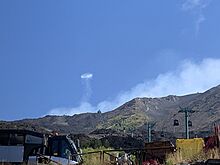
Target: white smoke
[(86, 77), (196, 7), (189, 77), (194, 4)]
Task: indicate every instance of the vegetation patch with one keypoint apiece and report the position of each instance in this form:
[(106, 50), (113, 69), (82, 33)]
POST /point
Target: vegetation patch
[(178, 157)]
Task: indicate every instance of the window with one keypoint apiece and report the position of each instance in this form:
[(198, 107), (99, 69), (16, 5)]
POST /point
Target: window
[(4, 138), (11, 139), (55, 148), (65, 149), (16, 139)]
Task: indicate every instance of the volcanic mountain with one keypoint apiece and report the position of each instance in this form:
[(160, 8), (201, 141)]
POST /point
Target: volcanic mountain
[(134, 115)]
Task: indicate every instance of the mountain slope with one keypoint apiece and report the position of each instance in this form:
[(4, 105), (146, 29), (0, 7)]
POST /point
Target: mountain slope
[(133, 115)]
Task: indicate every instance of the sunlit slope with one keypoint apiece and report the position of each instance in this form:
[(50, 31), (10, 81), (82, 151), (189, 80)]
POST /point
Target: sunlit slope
[(134, 114)]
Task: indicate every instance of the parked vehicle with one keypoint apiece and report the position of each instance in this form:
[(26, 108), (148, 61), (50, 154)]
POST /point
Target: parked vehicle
[(23, 146)]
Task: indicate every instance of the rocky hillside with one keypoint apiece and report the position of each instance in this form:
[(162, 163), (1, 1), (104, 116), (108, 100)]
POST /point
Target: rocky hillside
[(133, 116)]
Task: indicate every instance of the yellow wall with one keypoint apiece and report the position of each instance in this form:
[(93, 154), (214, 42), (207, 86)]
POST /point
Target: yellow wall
[(189, 147)]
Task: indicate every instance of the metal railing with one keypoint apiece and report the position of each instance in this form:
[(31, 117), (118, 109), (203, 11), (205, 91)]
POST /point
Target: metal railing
[(114, 159)]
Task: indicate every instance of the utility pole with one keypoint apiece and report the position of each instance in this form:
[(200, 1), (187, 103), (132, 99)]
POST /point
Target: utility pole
[(149, 131), (186, 111)]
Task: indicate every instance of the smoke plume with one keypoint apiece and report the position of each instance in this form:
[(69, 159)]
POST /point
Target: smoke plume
[(189, 77)]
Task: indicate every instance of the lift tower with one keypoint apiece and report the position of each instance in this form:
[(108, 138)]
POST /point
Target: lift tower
[(186, 110)]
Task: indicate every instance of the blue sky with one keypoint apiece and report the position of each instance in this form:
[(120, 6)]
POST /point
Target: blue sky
[(130, 48)]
